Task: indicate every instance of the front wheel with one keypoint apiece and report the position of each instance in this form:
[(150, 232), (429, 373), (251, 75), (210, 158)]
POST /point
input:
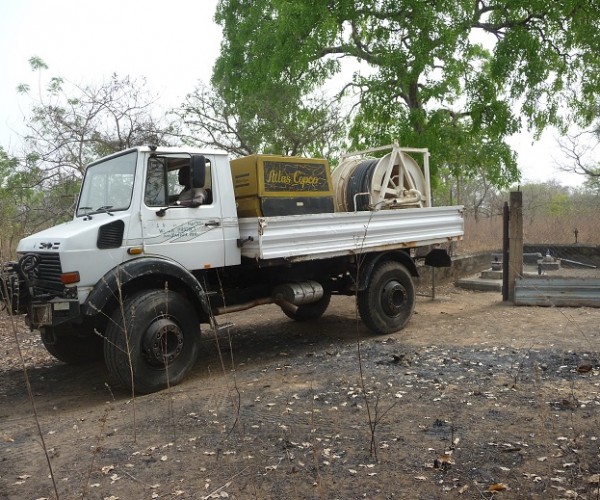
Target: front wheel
[(152, 342), (388, 301), (71, 344)]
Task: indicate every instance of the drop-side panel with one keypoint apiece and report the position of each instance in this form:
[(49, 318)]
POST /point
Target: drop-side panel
[(318, 236)]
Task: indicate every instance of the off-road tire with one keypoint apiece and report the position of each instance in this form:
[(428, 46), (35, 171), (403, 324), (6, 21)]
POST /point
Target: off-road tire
[(388, 301), (72, 344), (135, 350)]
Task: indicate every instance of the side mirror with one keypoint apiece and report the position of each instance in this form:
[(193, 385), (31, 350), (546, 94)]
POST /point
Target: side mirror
[(198, 171)]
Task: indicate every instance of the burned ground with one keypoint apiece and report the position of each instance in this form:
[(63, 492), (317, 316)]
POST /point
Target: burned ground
[(475, 398)]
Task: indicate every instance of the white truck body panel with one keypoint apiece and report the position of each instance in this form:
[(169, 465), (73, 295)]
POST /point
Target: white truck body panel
[(76, 242), (319, 236), (197, 238)]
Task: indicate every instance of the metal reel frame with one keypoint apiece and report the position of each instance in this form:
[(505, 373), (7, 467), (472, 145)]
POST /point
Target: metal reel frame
[(397, 181)]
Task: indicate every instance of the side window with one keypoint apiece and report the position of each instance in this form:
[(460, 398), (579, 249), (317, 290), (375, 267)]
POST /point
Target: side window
[(166, 181), (178, 184), (155, 193)]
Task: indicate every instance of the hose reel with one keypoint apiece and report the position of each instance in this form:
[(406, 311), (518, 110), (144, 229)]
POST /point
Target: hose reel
[(396, 180)]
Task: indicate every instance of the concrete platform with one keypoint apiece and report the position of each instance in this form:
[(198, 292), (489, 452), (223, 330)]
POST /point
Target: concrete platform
[(487, 281), (491, 275), (480, 284)]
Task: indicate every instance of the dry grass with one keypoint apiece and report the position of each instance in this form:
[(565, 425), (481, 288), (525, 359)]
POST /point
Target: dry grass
[(485, 233)]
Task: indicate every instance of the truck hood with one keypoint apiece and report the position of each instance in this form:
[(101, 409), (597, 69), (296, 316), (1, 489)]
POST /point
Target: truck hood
[(78, 234)]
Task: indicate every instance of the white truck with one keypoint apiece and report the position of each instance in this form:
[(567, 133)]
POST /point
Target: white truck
[(137, 271)]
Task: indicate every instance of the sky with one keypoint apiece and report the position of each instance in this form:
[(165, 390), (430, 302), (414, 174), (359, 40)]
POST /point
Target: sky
[(173, 44), (86, 42)]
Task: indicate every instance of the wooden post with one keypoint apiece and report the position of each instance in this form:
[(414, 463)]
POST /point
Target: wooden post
[(515, 244), (505, 219)]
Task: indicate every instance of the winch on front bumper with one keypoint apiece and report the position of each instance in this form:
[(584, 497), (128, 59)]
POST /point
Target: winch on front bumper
[(33, 286), (13, 289)]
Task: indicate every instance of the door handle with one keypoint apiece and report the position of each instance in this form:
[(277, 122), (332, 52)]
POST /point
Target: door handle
[(213, 223)]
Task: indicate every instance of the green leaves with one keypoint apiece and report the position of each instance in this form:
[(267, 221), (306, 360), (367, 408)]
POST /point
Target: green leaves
[(36, 63), (455, 76), (267, 78), (55, 85)]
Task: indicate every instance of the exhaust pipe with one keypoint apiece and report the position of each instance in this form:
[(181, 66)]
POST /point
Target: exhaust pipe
[(287, 296), (300, 293)]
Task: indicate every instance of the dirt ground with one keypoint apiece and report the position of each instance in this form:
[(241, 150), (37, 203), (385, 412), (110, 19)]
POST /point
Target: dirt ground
[(474, 399)]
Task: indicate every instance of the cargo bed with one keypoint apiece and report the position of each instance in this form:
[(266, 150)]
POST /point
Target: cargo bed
[(306, 237)]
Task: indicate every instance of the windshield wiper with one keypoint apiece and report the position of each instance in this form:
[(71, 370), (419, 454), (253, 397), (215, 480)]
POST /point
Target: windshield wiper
[(86, 215), (105, 209)]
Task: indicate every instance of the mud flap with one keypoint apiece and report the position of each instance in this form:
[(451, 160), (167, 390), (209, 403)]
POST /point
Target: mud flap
[(438, 257)]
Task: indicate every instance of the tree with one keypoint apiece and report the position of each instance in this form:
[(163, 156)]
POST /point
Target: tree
[(277, 126), (475, 192), (424, 77), (579, 151), (26, 205), (71, 125), (592, 184)]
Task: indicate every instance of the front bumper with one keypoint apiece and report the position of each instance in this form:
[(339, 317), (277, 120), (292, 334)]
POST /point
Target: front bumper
[(53, 312)]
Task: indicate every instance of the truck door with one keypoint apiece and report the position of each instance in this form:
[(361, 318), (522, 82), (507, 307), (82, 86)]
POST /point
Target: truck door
[(192, 236)]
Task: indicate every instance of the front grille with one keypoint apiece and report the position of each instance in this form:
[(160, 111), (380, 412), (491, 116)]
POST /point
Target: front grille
[(46, 276)]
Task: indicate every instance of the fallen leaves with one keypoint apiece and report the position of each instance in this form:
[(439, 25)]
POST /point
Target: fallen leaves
[(593, 479), (21, 479), (497, 487), (444, 461), (585, 368), (107, 469), (327, 434)]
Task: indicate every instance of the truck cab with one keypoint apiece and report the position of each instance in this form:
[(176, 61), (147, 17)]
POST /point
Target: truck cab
[(130, 205)]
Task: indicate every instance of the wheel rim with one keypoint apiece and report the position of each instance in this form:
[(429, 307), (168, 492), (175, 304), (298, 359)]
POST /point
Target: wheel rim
[(163, 342), (393, 298)]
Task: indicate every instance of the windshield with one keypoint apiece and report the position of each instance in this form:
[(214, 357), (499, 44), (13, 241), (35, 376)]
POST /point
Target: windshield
[(107, 186)]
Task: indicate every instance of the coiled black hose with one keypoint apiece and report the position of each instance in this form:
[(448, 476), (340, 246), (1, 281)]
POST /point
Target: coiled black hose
[(360, 182)]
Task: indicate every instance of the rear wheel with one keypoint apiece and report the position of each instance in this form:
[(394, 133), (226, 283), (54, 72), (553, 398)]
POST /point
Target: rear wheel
[(153, 342), (72, 344), (310, 311), (388, 301)]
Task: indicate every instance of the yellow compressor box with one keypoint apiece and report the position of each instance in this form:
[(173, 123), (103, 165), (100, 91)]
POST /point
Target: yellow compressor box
[(270, 185)]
